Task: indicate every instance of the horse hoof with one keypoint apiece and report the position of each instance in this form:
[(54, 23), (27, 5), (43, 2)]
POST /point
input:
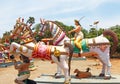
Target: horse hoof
[(12, 57), (107, 77), (67, 81), (101, 75), (57, 75)]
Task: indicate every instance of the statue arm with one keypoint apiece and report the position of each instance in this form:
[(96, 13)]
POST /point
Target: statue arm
[(17, 66)]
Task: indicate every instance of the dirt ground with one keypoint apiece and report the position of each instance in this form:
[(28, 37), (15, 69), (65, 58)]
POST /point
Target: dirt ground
[(8, 74)]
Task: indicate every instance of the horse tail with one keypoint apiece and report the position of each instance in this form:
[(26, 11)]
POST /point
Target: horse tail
[(70, 54), (114, 38)]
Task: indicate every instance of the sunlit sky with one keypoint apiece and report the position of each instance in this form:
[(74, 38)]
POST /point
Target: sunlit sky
[(107, 12)]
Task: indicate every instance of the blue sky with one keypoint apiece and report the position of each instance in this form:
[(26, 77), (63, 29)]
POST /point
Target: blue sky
[(105, 11)]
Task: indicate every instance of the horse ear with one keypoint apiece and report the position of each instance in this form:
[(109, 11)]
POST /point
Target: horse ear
[(22, 19), (41, 21), (18, 20)]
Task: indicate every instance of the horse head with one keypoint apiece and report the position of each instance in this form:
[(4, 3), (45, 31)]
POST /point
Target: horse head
[(43, 26), (57, 33), (22, 31)]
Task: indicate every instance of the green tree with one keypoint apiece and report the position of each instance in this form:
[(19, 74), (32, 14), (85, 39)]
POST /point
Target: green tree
[(92, 33), (100, 31), (85, 32), (31, 20)]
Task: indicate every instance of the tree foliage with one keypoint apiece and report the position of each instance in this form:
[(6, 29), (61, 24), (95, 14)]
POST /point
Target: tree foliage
[(31, 20)]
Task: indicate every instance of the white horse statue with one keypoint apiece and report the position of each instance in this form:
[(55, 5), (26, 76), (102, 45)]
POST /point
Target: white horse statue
[(29, 48), (99, 45)]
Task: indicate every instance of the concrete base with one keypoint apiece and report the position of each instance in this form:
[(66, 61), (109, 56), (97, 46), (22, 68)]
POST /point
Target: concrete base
[(49, 79)]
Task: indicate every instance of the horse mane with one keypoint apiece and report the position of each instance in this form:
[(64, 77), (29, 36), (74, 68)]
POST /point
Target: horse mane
[(55, 24), (25, 34)]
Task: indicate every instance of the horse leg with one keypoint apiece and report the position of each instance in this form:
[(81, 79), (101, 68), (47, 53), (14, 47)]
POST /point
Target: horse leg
[(64, 66), (107, 63), (17, 48), (102, 74), (108, 66), (105, 59), (58, 73), (13, 47)]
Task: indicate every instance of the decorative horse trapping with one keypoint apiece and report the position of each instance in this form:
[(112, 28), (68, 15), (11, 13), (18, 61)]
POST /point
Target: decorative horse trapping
[(84, 45), (57, 53), (42, 51)]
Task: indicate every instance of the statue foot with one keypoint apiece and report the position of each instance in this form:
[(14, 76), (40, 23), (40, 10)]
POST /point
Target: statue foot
[(12, 57), (57, 75), (107, 77), (101, 75), (67, 82)]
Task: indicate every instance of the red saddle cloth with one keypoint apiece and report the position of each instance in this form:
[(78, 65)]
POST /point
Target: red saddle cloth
[(41, 51)]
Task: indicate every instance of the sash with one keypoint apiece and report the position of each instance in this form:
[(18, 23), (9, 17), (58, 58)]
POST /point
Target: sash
[(41, 51)]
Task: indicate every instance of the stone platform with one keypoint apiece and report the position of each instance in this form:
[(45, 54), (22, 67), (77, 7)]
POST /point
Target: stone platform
[(49, 79)]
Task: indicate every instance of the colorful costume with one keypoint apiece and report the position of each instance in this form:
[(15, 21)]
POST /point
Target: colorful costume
[(23, 75), (79, 34), (78, 37)]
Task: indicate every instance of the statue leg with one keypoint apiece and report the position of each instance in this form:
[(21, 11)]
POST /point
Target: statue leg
[(102, 74), (106, 69), (77, 43), (105, 59), (63, 65), (108, 66), (13, 47), (107, 63), (17, 48), (59, 72)]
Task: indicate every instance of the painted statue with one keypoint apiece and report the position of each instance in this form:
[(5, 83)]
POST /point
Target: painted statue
[(78, 35), (29, 48), (99, 45), (23, 69)]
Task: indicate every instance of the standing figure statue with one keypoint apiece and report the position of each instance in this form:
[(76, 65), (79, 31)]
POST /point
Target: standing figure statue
[(23, 69)]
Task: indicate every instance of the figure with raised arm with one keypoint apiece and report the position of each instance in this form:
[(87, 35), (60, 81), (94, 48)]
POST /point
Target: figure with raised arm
[(78, 34)]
